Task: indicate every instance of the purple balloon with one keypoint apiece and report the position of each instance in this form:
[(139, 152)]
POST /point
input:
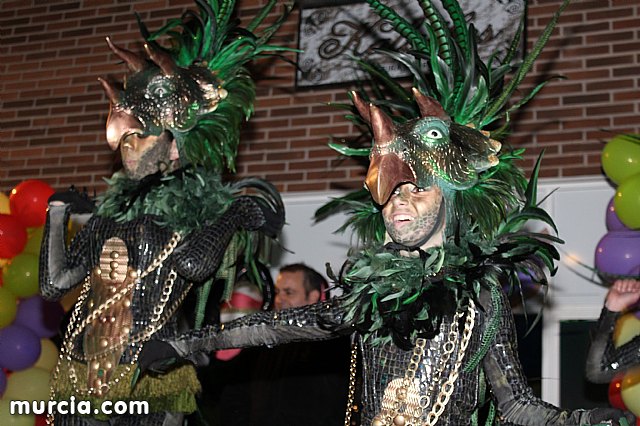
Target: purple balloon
[(612, 220), (39, 315), (618, 252), (3, 382), (19, 347)]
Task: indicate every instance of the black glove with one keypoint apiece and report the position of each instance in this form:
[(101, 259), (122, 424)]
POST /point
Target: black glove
[(80, 202), (157, 356), (259, 215), (610, 416)]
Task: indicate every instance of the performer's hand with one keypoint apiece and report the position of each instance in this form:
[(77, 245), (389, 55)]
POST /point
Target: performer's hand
[(622, 295), (157, 356), (259, 214), (611, 416), (80, 202)]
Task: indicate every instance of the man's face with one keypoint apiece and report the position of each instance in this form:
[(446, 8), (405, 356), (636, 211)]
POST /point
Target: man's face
[(290, 292), (143, 156), (411, 214)]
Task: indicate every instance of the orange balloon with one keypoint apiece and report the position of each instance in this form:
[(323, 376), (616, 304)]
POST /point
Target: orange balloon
[(631, 391)]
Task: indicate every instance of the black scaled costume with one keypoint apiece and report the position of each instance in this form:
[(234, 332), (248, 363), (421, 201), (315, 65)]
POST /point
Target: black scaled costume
[(431, 318), (167, 225)]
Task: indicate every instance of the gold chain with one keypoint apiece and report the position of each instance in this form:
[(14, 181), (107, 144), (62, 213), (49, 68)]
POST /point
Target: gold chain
[(402, 402), (157, 321), (352, 383)]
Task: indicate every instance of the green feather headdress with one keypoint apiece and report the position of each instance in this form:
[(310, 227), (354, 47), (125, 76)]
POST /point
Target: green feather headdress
[(212, 39), (194, 82), (471, 91)]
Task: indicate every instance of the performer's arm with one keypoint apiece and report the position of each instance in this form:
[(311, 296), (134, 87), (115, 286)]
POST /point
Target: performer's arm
[(199, 255), (604, 360), (516, 402), (62, 268), (320, 321)]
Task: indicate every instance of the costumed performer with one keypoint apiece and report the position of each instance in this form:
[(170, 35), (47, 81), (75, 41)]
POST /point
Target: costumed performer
[(167, 225), (444, 221)]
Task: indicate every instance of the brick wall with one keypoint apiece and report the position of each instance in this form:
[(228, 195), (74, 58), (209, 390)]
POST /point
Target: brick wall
[(53, 110)]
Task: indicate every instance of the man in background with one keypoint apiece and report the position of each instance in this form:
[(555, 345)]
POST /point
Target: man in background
[(301, 383)]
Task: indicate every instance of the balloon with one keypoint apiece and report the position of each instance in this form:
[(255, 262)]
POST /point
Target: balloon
[(29, 200), (40, 316), (34, 238), (8, 419), (615, 388), (621, 158), (626, 328), (3, 382), (627, 202), (48, 355), (13, 236), (4, 204), (618, 252), (21, 276), (28, 385), (41, 420), (631, 390), (19, 347), (8, 307), (611, 219)]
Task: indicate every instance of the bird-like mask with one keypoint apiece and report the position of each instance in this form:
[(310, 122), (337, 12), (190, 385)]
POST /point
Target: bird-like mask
[(431, 150)]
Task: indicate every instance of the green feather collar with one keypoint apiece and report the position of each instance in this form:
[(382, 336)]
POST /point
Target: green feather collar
[(183, 200)]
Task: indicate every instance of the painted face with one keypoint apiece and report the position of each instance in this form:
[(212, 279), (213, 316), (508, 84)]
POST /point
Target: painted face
[(290, 292), (412, 214), (143, 156)]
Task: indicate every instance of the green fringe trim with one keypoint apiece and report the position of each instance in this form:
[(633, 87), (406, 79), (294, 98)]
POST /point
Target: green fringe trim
[(174, 391), (201, 190), (489, 333)]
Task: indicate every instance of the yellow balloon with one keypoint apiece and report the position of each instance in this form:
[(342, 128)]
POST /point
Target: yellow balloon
[(31, 384), (627, 327), (7, 419), (630, 392), (48, 355), (4, 204)]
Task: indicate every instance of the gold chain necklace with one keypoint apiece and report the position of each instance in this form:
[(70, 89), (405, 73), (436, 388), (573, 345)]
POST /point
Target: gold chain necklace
[(402, 402)]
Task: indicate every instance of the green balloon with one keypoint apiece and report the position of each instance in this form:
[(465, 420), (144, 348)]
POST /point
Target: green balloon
[(8, 307), (627, 202), (621, 158), (7, 419), (34, 238), (21, 276)]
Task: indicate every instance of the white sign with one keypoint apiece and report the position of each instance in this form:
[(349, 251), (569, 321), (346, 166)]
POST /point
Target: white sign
[(330, 37)]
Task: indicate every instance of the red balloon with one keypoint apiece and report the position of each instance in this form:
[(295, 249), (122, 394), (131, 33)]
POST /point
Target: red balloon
[(13, 236), (41, 420), (28, 202), (615, 389)]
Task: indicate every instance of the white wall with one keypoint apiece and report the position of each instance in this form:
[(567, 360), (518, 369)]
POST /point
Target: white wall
[(308, 242), (578, 207)]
